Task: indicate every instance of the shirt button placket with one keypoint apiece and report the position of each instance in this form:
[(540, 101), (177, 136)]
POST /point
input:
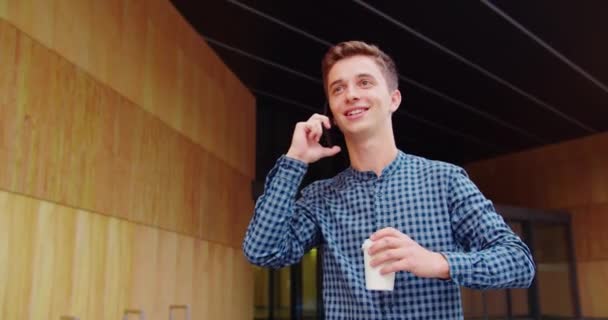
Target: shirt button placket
[(380, 223), (376, 203)]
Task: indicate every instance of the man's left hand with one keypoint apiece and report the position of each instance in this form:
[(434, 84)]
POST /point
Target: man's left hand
[(398, 252)]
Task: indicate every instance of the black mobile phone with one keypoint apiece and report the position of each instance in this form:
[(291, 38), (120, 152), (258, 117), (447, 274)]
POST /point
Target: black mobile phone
[(327, 140)]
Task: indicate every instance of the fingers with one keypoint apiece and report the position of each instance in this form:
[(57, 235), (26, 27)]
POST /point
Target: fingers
[(386, 232), (399, 265), (388, 256), (314, 126), (314, 131), (393, 260), (387, 242), (323, 119)]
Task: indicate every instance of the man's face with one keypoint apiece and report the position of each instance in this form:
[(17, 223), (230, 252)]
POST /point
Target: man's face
[(359, 97)]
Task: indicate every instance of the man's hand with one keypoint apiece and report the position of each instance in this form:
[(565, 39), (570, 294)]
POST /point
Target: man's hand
[(305, 142), (400, 253)]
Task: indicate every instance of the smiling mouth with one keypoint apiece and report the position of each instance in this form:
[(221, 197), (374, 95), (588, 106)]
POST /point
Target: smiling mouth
[(356, 112)]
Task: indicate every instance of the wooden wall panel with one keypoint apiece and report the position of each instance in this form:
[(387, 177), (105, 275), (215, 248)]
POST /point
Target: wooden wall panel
[(68, 139), (565, 175), (18, 280), (593, 277), (589, 230), (148, 53), (554, 286), (496, 302), (472, 302), (118, 109), (572, 176), (200, 278), (175, 269), (63, 261), (144, 283), (5, 227)]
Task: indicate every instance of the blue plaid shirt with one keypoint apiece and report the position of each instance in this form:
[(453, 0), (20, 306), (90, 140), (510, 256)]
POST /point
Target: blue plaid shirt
[(434, 203)]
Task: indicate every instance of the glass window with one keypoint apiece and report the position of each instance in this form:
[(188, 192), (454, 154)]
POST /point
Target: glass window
[(261, 278), (553, 269), (309, 286)]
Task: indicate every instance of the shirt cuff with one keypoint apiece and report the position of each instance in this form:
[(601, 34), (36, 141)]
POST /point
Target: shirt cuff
[(461, 267), (290, 169)]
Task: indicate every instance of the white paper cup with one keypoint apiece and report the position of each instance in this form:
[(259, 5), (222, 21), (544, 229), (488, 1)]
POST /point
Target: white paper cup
[(374, 280)]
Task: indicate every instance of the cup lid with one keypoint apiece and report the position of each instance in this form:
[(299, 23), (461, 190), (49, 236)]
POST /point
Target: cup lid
[(366, 244)]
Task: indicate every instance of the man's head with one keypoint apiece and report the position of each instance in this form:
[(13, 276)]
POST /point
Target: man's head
[(359, 48), (361, 83)]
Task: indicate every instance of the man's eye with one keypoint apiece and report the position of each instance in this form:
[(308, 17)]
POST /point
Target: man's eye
[(366, 83), (337, 89)]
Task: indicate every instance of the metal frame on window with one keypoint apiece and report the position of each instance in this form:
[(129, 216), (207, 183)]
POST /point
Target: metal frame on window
[(527, 217)]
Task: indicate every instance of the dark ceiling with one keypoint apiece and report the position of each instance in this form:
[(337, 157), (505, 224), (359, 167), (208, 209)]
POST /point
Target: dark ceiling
[(479, 79)]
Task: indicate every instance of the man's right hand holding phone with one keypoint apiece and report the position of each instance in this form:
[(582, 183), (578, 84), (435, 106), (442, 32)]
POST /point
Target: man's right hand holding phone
[(305, 144)]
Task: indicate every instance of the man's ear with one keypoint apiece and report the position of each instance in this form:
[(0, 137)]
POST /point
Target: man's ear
[(395, 100)]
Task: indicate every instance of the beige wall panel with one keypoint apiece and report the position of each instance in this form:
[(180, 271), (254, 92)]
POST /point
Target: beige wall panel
[(32, 16), (167, 268), (519, 300), (8, 96), (106, 33), (144, 284), (599, 178), (554, 287), (593, 280), (72, 36), (559, 176), (128, 71), (184, 273), (44, 262), (201, 277), (5, 258), (63, 268), (242, 280), (118, 267), (472, 302), (120, 108), (70, 140), (63, 261), (148, 53), (19, 280), (214, 281), (87, 285), (589, 230), (496, 302)]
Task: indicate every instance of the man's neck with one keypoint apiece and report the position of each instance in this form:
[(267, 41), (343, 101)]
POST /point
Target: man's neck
[(372, 154)]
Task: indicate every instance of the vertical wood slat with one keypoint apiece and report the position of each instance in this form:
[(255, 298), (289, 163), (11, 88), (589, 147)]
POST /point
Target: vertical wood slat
[(593, 277)]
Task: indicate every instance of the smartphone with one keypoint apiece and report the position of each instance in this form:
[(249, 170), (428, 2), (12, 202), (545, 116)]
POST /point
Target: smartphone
[(327, 140)]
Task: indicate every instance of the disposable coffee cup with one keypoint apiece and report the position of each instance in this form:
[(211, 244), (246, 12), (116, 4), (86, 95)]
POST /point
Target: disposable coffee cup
[(374, 280)]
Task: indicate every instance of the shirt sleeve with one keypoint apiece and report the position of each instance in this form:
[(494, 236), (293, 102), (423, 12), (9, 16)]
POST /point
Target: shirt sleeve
[(492, 256), (282, 229)]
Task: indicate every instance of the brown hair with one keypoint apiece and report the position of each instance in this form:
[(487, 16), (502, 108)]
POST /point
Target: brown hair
[(359, 48)]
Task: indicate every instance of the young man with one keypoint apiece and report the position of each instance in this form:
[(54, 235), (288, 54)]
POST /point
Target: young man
[(428, 221)]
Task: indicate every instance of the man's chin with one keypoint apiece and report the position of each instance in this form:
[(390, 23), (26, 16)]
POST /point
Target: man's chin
[(356, 132)]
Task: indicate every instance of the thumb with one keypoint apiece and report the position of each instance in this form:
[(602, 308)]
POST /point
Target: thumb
[(328, 152)]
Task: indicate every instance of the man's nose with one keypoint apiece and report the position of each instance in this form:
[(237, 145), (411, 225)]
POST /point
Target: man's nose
[(352, 94)]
